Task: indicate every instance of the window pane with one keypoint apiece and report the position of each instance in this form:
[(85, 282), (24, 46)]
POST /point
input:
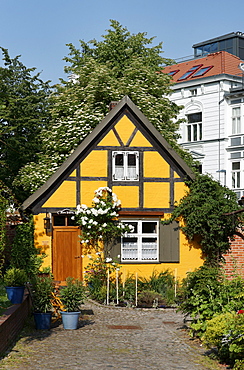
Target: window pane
[(149, 249), (235, 165), (200, 131), (135, 226), (213, 47), (189, 133), (149, 227), (235, 155), (119, 173), (131, 159), (195, 117), (235, 141), (238, 179), (129, 249), (70, 221), (59, 220), (194, 132), (119, 160)]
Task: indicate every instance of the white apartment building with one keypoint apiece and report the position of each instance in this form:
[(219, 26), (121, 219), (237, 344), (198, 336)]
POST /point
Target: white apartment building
[(211, 92)]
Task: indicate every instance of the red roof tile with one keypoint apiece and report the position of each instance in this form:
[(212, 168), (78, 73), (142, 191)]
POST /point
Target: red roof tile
[(221, 62)]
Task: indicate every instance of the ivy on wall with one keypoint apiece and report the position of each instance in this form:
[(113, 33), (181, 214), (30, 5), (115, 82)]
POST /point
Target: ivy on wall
[(203, 210)]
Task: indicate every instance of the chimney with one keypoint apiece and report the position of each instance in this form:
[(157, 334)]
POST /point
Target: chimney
[(112, 104)]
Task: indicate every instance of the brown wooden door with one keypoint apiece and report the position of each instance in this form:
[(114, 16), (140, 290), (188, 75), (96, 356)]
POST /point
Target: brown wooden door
[(66, 253)]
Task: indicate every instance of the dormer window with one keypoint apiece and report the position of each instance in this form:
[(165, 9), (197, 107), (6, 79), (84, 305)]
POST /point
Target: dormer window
[(172, 73), (189, 72), (125, 166), (202, 71)]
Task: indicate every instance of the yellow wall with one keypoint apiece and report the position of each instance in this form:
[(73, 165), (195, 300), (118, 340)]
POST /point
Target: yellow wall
[(64, 196), (42, 240), (95, 164), (155, 195), (128, 195), (155, 165)]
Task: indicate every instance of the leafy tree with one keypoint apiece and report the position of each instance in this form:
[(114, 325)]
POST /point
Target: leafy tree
[(208, 212), (6, 201), (23, 114), (100, 72)]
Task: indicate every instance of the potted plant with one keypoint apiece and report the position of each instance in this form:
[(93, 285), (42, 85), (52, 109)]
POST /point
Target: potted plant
[(14, 282), (72, 296), (42, 290)]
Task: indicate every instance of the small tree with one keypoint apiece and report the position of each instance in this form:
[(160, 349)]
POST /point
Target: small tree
[(100, 72), (203, 210), (23, 114), (24, 254)]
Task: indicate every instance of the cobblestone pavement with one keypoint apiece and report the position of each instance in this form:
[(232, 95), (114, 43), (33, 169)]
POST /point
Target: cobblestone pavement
[(110, 338)]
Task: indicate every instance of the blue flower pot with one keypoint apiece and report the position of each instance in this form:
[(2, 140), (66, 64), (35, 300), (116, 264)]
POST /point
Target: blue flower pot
[(42, 320), (70, 320), (15, 294)]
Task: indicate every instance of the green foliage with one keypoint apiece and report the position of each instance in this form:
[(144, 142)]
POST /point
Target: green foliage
[(239, 365), (162, 283), (4, 301), (23, 114), (42, 289), (3, 207), (202, 210), (96, 278), (24, 253), (104, 71), (7, 201), (206, 292), (99, 223), (72, 295), (226, 332), (15, 277), (149, 298)]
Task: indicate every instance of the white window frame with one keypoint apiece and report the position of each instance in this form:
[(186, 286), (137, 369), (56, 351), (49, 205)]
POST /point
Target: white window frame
[(236, 176), (236, 120), (194, 130), (125, 173), (140, 250)]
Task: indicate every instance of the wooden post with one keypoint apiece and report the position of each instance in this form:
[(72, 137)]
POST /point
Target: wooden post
[(136, 288), (117, 287), (108, 287), (175, 281)]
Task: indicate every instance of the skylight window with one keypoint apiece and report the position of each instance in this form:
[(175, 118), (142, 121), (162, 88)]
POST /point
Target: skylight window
[(189, 72), (202, 71), (172, 73)]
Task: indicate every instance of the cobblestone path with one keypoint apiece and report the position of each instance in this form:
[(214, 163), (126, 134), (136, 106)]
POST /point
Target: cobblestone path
[(110, 338)]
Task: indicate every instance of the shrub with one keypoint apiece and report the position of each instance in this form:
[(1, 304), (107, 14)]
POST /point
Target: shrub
[(24, 254), (149, 298), (42, 293), (15, 277), (162, 283), (72, 295), (226, 332), (206, 292), (96, 278)]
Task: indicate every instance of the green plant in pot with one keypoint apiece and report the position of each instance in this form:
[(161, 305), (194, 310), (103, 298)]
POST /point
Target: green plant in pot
[(42, 290), (72, 296), (14, 282)]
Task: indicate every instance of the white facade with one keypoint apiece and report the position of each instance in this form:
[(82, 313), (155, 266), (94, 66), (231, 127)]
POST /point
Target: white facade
[(213, 130)]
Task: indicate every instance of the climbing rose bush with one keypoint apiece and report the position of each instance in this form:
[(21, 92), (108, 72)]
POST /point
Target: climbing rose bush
[(99, 223)]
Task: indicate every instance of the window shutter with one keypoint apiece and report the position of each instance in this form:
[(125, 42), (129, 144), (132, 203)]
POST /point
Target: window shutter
[(113, 250), (169, 242)]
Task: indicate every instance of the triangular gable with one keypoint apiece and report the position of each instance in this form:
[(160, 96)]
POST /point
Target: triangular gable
[(110, 132)]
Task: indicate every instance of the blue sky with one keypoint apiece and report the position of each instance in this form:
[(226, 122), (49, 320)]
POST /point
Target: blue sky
[(39, 30)]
